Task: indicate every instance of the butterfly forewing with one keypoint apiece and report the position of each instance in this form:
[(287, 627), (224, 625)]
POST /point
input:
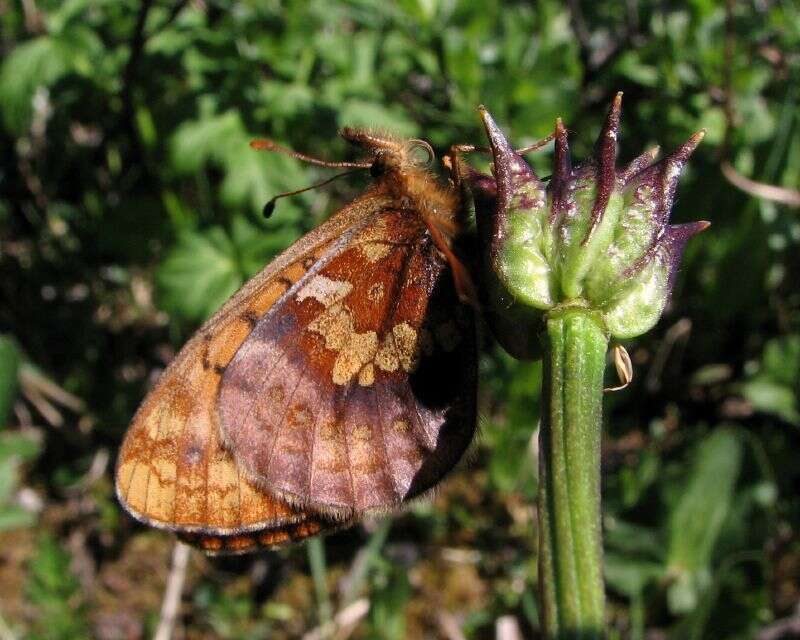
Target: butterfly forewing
[(356, 391), (172, 471)]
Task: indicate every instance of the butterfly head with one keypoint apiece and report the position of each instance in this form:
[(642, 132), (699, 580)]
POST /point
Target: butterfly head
[(402, 169), (390, 155)]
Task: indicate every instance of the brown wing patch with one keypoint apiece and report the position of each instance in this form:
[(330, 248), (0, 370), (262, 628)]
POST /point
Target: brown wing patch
[(266, 539), (172, 470), (356, 391)]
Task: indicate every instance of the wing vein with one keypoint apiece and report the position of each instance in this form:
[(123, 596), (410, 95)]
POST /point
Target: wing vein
[(279, 428), (389, 466)]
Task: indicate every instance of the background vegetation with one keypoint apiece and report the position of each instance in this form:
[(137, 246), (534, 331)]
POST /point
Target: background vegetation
[(129, 210)]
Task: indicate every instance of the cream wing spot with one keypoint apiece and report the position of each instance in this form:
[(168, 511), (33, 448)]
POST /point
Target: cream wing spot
[(374, 251), (331, 431), (359, 350), (405, 339), (325, 290), (335, 325), (362, 433), (366, 377), (373, 243), (386, 358), (401, 426)]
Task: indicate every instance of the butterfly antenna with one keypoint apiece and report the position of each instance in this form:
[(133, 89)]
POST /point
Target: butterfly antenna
[(269, 208), (536, 145), (269, 145), (263, 144), (471, 148)]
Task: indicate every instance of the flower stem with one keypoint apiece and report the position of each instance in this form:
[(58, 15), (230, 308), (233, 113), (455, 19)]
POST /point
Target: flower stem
[(570, 538)]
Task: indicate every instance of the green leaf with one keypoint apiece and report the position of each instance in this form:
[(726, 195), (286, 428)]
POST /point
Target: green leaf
[(628, 575), (198, 275), (37, 63), (633, 539), (14, 448), (18, 445), (9, 382), (8, 479), (256, 246), (631, 66), (389, 602), (770, 397), (775, 388), (198, 142), (13, 517), (205, 268), (373, 115), (696, 520), (250, 177), (781, 360), (55, 593), (517, 385)]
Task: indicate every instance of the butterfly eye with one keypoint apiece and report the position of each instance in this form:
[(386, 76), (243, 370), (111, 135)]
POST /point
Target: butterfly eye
[(416, 147), (378, 167)]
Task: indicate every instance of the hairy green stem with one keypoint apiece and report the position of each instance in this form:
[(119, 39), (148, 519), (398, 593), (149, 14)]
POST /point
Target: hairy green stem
[(570, 538)]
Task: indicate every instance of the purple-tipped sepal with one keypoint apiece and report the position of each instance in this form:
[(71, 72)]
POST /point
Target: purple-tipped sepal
[(594, 235)]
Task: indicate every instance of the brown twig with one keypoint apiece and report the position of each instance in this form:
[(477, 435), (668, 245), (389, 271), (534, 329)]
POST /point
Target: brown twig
[(34, 21), (784, 628), (29, 377)]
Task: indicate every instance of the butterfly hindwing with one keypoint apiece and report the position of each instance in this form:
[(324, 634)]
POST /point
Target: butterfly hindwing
[(252, 541), (356, 391)]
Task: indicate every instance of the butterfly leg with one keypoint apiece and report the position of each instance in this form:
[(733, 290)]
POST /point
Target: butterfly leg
[(465, 287)]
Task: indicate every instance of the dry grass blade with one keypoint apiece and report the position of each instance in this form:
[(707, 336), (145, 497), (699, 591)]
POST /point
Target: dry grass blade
[(781, 195), (343, 623), (449, 626), (172, 592), (6, 632), (31, 378), (507, 628)]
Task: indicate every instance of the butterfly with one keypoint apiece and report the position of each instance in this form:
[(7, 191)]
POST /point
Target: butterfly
[(339, 381)]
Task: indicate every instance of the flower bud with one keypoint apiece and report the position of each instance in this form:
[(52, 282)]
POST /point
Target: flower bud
[(593, 235)]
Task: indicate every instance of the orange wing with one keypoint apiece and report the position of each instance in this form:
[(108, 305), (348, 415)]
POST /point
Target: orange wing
[(172, 472)]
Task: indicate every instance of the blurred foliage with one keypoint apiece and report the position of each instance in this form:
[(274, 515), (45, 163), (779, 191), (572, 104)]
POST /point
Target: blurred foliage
[(129, 210), (55, 592)]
